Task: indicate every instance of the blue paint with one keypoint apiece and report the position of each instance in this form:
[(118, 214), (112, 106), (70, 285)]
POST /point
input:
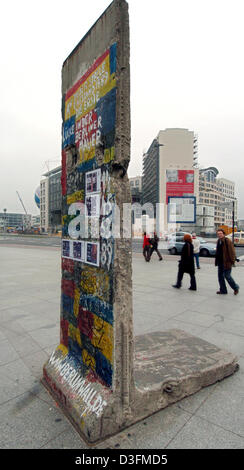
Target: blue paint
[(86, 344), (112, 58), (67, 304), (97, 306), (74, 348), (68, 134), (106, 108), (104, 368), (87, 166)]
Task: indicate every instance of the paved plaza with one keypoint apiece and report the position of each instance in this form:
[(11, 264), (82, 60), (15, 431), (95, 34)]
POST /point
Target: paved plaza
[(29, 332)]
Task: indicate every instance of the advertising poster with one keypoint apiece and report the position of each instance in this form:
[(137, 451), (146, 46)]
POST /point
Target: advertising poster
[(179, 183), (92, 253), (182, 209), (93, 181)]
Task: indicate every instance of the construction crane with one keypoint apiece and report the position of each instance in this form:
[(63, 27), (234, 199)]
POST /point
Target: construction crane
[(25, 223), (51, 161)]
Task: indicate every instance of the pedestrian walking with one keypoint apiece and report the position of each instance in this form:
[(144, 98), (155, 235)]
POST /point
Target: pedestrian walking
[(225, 258), (154, 246), (186, 264), (146, 247), (196, 249)]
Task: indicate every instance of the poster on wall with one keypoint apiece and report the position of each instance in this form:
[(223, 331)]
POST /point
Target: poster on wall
[(79, 250), (92, 253), (93, 205), (66, 248), (182, 209), (179, 183), (93, 181)]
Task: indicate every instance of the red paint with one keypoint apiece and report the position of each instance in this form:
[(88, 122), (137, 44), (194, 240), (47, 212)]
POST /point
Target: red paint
[(68, 287), (68, 265), (85, 322), (63, 174), (64, 328), (59, 394)]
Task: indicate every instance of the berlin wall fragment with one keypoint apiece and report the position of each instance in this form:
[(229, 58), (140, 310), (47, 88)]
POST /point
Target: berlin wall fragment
[(92, 372)]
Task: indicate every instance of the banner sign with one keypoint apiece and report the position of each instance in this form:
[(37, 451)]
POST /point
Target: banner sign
[(182, 209), (179, 183)]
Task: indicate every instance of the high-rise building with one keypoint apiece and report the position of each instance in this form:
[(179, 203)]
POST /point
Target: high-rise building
[(170, 168)]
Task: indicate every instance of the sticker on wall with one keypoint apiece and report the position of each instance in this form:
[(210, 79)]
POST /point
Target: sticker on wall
[(93, 181), (93, 205), (92, 253)]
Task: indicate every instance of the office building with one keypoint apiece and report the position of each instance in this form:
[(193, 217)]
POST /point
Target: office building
[(214, 192), (51, 201), (13, 220), (170, 168)]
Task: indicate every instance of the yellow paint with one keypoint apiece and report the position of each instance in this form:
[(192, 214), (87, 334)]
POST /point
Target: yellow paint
[(86, 154), (74, 334), (77, 196), (88, 359), (95, 282), (109, 155), (82, 423), (97, 85), (88, 281), (102, 337), (76, 302), (63, 349)]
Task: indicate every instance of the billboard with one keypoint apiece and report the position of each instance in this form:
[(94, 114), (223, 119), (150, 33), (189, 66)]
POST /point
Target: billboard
[(179, 183), (182, 209)]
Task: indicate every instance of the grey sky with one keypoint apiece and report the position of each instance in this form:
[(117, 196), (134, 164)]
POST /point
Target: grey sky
[(186, 71)]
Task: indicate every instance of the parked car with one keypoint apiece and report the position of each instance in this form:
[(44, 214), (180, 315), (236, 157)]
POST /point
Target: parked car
[(175, 245), (238, 238), (173, 235)]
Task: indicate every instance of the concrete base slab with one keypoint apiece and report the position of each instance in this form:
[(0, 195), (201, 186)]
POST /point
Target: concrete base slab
[(168, 366)]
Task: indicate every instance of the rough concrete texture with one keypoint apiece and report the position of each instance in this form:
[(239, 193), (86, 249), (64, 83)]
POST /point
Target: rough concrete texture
[(173, 364), (91, 372)]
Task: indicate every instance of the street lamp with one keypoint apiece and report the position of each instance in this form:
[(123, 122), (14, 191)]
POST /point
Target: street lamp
[(4, 210)]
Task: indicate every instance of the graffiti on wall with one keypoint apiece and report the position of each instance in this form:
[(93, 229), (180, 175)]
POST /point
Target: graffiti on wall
[(88, 150)]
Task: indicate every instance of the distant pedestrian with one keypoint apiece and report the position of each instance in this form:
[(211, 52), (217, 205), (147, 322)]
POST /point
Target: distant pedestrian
[(154, 246), (196, 249), (186, 264), (146, 247), (225, 258)]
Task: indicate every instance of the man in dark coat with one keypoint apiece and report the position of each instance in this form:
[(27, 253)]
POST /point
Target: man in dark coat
[(154, 246), (225, 258), (186, 264)]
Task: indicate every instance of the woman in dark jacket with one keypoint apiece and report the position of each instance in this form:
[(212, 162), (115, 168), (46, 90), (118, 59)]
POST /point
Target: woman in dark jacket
[(186, 264)]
